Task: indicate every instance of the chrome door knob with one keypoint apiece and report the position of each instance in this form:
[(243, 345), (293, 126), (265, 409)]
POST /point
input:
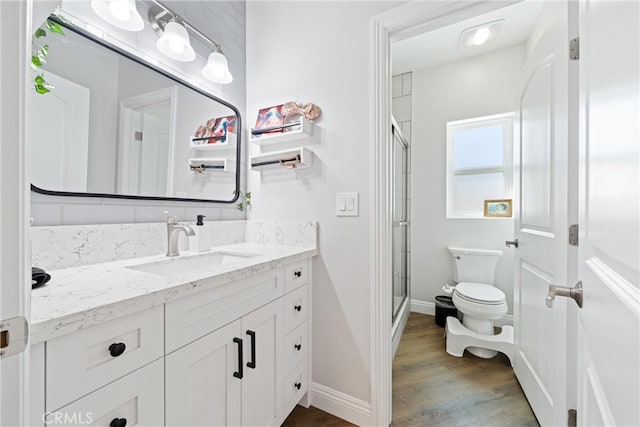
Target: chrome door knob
[(511, 243), (574, 293)]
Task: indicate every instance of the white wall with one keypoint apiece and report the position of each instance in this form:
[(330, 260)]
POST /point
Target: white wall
[(478, 86), (318, 52), (224, 21)]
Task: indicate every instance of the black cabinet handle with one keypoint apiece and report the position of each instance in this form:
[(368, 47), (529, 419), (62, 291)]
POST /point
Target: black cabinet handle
[(298, 346), (297, 273), (118, 422), (239, 373), (297, 307), (252, 364), (115, 350), (298, 385)]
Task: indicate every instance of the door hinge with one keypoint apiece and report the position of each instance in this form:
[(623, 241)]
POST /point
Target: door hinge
[(573, 234), (572, 419), (138, 136), (574, 49), (14, 334)]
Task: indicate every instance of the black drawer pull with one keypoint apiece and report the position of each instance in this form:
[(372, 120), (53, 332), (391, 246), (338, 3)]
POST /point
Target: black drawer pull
[(239, 373), (298, 385), (252, 364), (118, 422), (298, 346), (115, 350), (297, 273), (297, 307)]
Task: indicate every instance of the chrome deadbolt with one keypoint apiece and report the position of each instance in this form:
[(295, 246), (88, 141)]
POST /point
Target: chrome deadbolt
[(574, 293)]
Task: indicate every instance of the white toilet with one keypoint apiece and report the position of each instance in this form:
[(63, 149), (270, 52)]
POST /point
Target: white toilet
[(480, 302)]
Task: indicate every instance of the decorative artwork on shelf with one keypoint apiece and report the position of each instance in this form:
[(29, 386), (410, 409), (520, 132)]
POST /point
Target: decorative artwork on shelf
[(497, 208), (283, 118), (215, 131)]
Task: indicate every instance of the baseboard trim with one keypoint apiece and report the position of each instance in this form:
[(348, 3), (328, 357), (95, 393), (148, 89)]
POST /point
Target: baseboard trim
[(341, 405), (424, 307), (427, 307)]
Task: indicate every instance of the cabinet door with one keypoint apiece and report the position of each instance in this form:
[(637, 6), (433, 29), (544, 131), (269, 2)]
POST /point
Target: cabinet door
[(262, 386), (201, 388), (133, 400)]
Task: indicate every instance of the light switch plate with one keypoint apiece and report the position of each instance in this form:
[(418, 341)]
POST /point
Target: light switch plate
[(347, 204)]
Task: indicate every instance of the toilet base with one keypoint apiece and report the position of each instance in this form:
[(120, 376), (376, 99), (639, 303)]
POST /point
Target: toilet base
[(460, 338), (481, 326)]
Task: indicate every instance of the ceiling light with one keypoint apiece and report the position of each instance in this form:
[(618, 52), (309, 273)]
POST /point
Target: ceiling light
[(119, 13), (217, 68), (481, 34), (175, 43)]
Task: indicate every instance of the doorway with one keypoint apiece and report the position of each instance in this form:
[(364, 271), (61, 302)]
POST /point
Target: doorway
[(427, 18)]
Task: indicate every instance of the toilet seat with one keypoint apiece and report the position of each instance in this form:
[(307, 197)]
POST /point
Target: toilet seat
[(480, 293)]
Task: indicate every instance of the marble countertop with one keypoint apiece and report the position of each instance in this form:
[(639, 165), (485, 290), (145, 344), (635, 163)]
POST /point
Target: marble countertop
[(80, 297)]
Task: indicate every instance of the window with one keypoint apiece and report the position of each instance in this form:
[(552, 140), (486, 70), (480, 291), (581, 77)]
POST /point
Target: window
[(478, 163)]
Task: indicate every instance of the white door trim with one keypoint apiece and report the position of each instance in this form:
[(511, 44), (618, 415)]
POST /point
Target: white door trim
[(15, 292), (398, 23)]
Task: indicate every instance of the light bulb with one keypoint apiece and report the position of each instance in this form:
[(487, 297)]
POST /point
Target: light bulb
[(481, 36), (120, 10), (176, 46)]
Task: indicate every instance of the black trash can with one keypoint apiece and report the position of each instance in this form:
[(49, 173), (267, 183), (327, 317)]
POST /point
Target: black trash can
[(444, 308)]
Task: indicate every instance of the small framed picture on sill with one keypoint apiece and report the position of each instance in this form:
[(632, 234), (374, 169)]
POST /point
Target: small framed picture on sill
[(497, 208)]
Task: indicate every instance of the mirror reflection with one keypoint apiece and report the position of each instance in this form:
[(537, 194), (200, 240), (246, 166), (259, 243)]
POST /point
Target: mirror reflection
[(112, 126)]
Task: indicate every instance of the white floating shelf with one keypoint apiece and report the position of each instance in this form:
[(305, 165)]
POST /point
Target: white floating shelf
[(211, 165), (304, 131), (294, 159), (230, 143)]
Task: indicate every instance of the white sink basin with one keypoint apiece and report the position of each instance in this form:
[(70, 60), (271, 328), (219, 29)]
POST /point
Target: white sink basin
[(190, 263)]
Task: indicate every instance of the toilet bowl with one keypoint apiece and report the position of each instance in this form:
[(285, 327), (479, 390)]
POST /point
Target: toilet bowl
[(480, 304), (479, 301)]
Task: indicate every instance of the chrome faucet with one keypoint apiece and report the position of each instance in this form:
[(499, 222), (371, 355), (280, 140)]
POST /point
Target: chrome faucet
[(173, 234)]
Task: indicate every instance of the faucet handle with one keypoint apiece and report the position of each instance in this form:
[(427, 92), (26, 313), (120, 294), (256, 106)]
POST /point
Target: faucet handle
[(171, 219)]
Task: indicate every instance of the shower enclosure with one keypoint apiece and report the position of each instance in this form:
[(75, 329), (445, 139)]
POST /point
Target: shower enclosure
[(400, 300)]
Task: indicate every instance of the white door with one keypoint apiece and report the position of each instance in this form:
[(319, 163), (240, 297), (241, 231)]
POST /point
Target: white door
[(541, 218), (14, 208), (200, 386), (262, 385), (609, 321), (59, 137)]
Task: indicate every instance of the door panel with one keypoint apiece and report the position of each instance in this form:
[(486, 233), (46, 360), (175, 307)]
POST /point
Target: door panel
[(609, 255), (541, 163), (262, 386), (200, 389)]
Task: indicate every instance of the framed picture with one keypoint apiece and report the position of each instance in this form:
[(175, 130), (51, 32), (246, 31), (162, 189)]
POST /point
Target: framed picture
[(497, 208)]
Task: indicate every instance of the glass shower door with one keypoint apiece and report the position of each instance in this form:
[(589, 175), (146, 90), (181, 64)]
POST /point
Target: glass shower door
[(400, 198)]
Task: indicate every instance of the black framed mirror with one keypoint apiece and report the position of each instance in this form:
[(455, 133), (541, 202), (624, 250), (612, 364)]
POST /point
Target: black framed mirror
[(116, 126)]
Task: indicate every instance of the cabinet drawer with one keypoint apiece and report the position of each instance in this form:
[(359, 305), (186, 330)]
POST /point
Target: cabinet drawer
[(79, 363), (295, 347), (136, 399), (190, 318), (296, 275), (295, 308), (295, 386)]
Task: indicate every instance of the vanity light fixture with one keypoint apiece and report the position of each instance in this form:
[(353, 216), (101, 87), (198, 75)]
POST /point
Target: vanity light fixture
[(481, 34), (174, 42), (119, 13), (217, 68)]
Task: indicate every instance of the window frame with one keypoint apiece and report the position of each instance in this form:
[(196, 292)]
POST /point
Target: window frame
[(506, 121)]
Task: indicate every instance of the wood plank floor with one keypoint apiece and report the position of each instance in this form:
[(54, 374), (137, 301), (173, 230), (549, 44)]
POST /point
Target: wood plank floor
[(431, 388)]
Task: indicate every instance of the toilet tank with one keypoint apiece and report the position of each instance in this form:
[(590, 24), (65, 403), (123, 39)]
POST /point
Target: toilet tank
[(474, 265)]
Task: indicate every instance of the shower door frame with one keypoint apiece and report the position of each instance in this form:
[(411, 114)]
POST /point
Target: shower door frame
[(399, 317)]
